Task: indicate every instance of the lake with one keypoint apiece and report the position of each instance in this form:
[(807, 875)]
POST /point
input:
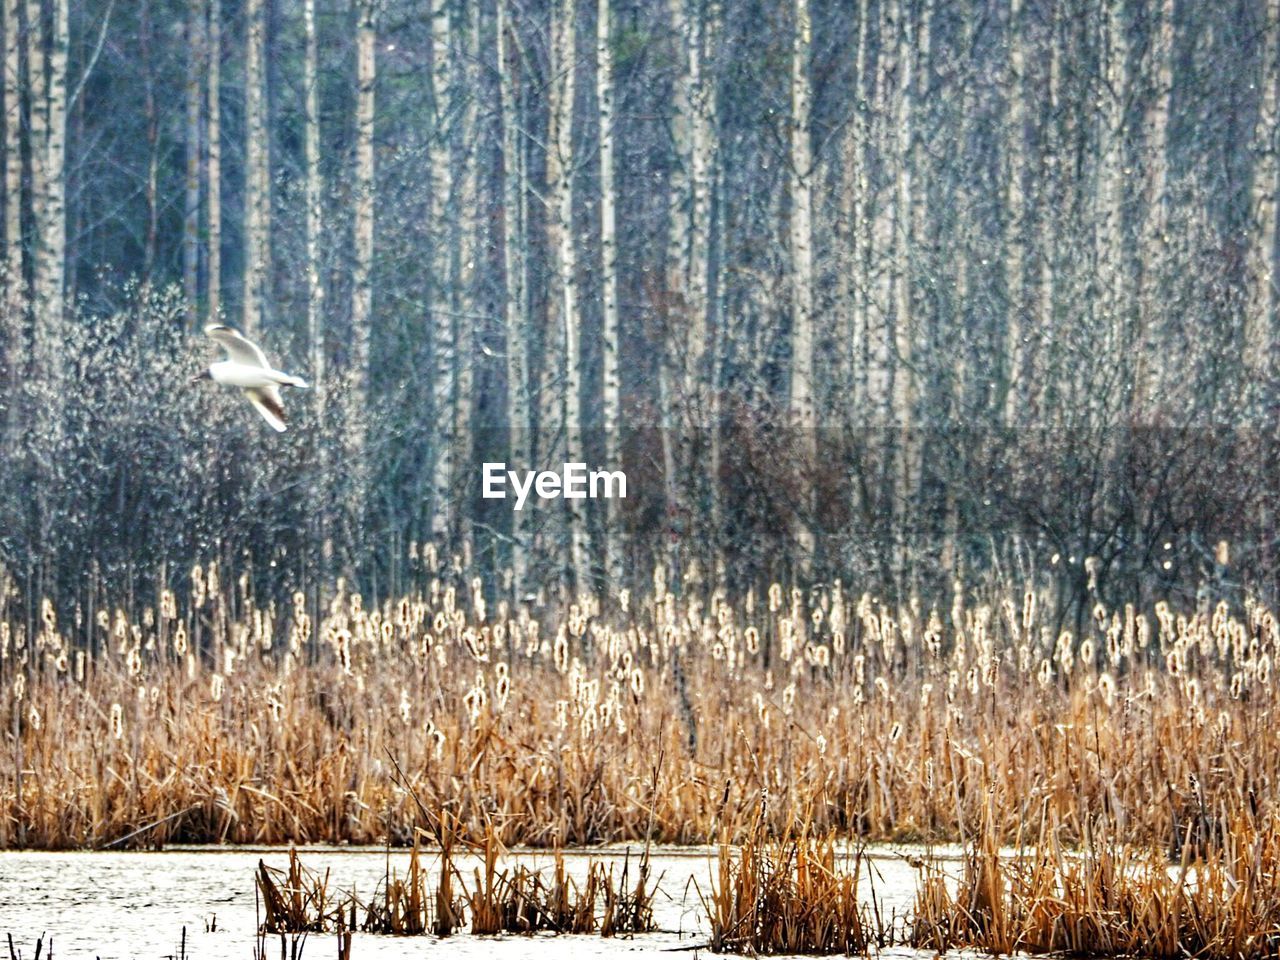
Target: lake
[(118, 905)]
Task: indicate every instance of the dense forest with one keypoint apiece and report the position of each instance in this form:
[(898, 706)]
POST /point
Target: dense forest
[(896, 291)]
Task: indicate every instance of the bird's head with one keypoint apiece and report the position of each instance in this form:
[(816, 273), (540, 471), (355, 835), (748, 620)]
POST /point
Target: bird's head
[(202, 375), (213, 328)]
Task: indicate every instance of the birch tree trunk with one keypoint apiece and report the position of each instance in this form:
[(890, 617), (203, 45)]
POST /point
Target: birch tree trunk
[(467, 223), (443, 346), (1015, 204), (362, 226), (196, 18), (803, 413), (213, 173), (47, 93), (14, 283), (314, 191), (611, 379), (55, 174), (514, 232), (1110, 199), (145, 37), (881, 246), (37, 144), (702, 149), (257, 165), (1156, 217), (854, 279), (1259, 318), (1049, 202), (676, 266), (564, 32), (904, 386)]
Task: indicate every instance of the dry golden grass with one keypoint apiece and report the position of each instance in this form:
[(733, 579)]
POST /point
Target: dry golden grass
[(499, 900), (1110, 898), (210, 718), (790, 896)]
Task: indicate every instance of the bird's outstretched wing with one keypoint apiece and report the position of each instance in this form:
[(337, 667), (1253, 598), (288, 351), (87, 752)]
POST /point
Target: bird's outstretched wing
[(239, 348), (267, 400)]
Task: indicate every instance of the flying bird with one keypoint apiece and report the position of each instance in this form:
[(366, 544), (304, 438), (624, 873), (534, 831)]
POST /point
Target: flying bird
[(246, 367)]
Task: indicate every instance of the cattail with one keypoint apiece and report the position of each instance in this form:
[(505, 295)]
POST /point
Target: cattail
[(502, 689), (1191, 690), (1045, 674), (406, 708), (117, 721), (1107, 687), (883, 686), (216, 683), (788, 697), (561, 650), (1237, 685)]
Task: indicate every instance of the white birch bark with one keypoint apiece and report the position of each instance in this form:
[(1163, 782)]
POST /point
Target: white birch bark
[(565, 33), (1260, 312), (854, 279), (314, 193), (257, 165), (15, 286), (1015, 206), (213, 173), (676, 265), (37, 142), (1109, 210), (467, 221), (803, 413), (611, 401), (702, 150), (1156, 218), (195, 115), (513, 225), (880, 250), (362, 221), (443, 346), (55, 169), (1047, 224)]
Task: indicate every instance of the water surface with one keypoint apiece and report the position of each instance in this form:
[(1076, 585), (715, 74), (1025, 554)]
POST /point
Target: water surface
[(119, 905)]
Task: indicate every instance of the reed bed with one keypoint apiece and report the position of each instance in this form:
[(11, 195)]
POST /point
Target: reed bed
[(207, 715), (790, 896), (1109, 898), (501, 899)]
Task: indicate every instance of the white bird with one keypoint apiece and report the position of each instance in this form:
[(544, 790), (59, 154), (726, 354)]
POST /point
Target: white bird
[(246, 367)]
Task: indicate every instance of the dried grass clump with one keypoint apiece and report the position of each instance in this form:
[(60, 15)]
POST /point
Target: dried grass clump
[(1109, 899), (501, 900), (786, 896)]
